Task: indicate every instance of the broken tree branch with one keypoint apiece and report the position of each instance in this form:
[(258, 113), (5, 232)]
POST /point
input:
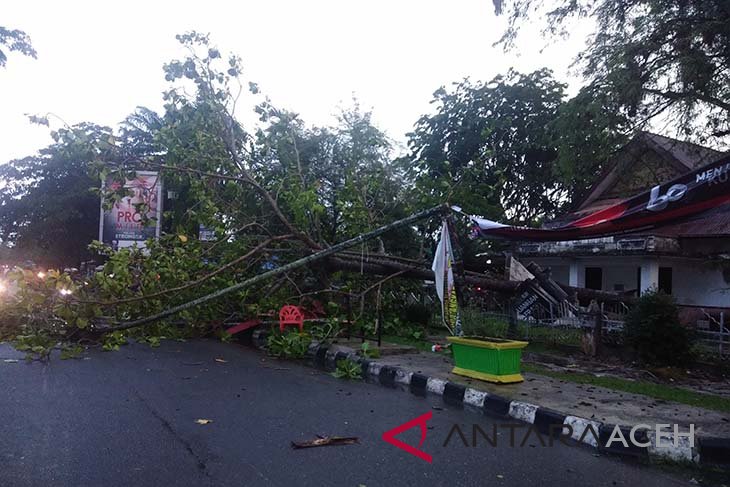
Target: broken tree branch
[(234, 262), (384, 267), (275, 272)]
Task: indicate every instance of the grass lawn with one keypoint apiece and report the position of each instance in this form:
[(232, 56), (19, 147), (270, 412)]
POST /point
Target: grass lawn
[(425, 346), (650, 389), (421, 345), (657, 391)]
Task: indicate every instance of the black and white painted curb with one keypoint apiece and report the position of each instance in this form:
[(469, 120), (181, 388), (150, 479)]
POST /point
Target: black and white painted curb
[(706, 450)]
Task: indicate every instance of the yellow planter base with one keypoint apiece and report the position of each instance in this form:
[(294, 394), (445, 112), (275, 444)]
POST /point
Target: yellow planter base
[(499, 379)]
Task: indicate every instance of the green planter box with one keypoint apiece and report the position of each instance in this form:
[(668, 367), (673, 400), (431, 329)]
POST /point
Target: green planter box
[(490, 359)]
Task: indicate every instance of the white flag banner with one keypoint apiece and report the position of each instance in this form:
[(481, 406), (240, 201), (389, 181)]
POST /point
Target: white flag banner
[(442, 268)]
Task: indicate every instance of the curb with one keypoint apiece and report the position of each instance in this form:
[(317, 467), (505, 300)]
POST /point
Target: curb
[(706, 450)]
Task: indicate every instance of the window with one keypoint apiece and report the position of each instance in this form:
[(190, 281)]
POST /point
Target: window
[(594, 278), (665, 279)]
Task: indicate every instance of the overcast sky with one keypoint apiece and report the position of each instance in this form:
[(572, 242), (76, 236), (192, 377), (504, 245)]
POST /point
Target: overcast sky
[(97, 62)]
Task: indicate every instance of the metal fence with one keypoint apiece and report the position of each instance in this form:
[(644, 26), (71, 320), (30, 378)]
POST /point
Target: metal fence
[(569, 325), (714, 334)]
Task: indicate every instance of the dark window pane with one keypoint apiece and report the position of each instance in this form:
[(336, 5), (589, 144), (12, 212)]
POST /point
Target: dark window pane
[(594, 278), (665, 279)]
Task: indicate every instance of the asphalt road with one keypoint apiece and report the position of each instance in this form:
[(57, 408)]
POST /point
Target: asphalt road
[(129, 418)]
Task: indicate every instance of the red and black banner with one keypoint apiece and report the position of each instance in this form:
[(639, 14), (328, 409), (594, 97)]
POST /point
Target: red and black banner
[(686, 195)]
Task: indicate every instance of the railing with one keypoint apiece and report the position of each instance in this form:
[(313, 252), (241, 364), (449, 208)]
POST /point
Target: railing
[(718, 339), (561, 322), (615, 311)]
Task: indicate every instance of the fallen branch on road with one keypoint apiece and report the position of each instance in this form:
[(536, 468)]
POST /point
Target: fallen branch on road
[(326, 441)]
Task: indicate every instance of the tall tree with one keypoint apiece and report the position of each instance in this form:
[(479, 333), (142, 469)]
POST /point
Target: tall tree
[(586, 133), (487, 147), (651, 57), (48, 212)]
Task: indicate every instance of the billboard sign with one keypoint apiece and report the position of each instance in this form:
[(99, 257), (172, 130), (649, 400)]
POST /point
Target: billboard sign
[(122, 225)]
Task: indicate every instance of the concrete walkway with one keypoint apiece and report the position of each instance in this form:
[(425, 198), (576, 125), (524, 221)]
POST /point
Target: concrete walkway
[(601, 404)]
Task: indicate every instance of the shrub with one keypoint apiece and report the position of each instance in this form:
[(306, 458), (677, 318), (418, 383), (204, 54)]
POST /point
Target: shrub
[(288, 345), (326, 331), (347, 369), (368, 352), (416, 313), (654, 332)]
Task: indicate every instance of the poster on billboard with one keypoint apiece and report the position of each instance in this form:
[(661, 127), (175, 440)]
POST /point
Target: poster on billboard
[(122, 225)]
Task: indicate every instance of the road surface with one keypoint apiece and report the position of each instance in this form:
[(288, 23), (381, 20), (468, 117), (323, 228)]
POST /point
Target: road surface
[(129, 418)]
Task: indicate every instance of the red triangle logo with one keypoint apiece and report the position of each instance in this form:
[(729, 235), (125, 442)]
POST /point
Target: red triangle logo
[(389, 436)]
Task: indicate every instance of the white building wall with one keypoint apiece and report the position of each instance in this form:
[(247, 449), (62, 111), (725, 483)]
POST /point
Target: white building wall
[(561, 274), (574, 271), (698, 284), (620, 277), (694, 283), (650, 275)]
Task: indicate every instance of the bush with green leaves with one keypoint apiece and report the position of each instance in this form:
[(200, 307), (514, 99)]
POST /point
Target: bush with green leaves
[(112, 341), (133, 282), (416, 313), (326, 331), (288, 345), (36, 345), (348, 370), (368, 352), (654, 332), (71, 351), (394, 325)]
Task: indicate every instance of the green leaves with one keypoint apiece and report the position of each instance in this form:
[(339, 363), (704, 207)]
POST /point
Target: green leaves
[(649, 58), (71, 351), (348, 370), (654, 331), (37, 345), (17, 41), (368, 352), (514, 148), (292, 344), (47, 205), (112, 341)]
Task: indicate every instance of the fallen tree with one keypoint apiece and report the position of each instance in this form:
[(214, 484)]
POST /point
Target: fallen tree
[(278, 198), (275, 272)]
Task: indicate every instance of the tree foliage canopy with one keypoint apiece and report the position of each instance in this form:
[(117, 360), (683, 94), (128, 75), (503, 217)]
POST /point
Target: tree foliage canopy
[(650, 57), (47, 207), (14, 40), (272, 194), (514, 147)]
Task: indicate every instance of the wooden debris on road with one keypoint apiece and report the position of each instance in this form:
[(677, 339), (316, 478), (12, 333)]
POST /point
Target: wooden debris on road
[(325, 441)]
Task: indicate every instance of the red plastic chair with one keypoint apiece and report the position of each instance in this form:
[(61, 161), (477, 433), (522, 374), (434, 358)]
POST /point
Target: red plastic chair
[(291, 315)]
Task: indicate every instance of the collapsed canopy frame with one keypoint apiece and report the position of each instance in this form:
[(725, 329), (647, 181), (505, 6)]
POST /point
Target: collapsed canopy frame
[(692, 193)]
